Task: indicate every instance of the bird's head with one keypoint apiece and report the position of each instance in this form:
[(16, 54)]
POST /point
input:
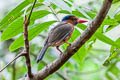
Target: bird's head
[(73, 19)]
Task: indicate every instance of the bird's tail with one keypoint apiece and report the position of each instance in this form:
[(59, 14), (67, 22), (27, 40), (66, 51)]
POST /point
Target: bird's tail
[(42, 52)]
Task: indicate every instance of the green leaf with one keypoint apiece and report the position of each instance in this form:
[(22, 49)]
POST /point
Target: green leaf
[(16, 27), (105, 39), (115, 1), (113, 52), (108, 76), (114, 48), (118, 41), (33, 32), (110, 22), (82, 26), (117, 17), (114, 70), (77, 13), (17, 16), (36, 6), (75, 34), (13, 14), (82, 53), (39, 14), (114, 7), (91, 14), (41, 0), (68, 3), (110, 28), (61, 4), (13, 29), (68, 65), (92, 39), (54, 6), (64, 12)]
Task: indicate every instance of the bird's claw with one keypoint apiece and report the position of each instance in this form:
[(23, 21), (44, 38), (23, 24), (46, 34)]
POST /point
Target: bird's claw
[(68, 43)]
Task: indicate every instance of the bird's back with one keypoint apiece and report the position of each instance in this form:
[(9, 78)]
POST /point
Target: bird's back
[(59, 33)]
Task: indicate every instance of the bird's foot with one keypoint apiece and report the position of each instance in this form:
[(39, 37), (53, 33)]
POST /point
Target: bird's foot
[(68, 43), (59, 50)]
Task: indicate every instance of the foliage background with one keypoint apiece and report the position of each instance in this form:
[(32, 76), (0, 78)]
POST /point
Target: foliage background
[(98, 59)]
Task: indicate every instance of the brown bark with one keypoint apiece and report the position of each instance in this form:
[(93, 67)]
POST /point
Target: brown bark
[(26, 41)]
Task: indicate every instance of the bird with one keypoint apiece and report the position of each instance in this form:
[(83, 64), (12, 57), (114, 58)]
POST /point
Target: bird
[(60, 34)]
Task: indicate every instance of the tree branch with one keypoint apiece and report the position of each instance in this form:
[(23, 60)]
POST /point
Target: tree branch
[(71, 50), (19, 55), (26, 23), (57, 73)]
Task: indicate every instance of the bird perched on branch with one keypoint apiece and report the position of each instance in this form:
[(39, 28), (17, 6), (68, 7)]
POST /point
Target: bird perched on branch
[(60, 34)]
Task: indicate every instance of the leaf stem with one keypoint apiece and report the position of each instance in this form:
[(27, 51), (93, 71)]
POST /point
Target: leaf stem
[(54, 13)]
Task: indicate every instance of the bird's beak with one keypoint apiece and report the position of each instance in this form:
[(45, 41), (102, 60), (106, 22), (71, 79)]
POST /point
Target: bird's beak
[(82, 21)]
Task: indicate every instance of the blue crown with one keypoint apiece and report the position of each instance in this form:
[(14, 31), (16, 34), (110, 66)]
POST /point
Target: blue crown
[(67, 17)]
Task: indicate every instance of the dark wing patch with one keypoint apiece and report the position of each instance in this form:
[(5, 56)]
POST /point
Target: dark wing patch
[(59, 33)]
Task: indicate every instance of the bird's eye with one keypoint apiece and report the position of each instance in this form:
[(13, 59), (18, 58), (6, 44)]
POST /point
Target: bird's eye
[(74, 19)]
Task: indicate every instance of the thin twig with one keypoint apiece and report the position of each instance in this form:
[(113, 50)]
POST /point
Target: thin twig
[(27, 47), (19, 55), (14, 71), (60, 75), (26, 23), (31, 11), (54, 13)]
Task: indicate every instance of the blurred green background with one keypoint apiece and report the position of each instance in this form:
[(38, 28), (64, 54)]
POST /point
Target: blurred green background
[(98, 59)]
